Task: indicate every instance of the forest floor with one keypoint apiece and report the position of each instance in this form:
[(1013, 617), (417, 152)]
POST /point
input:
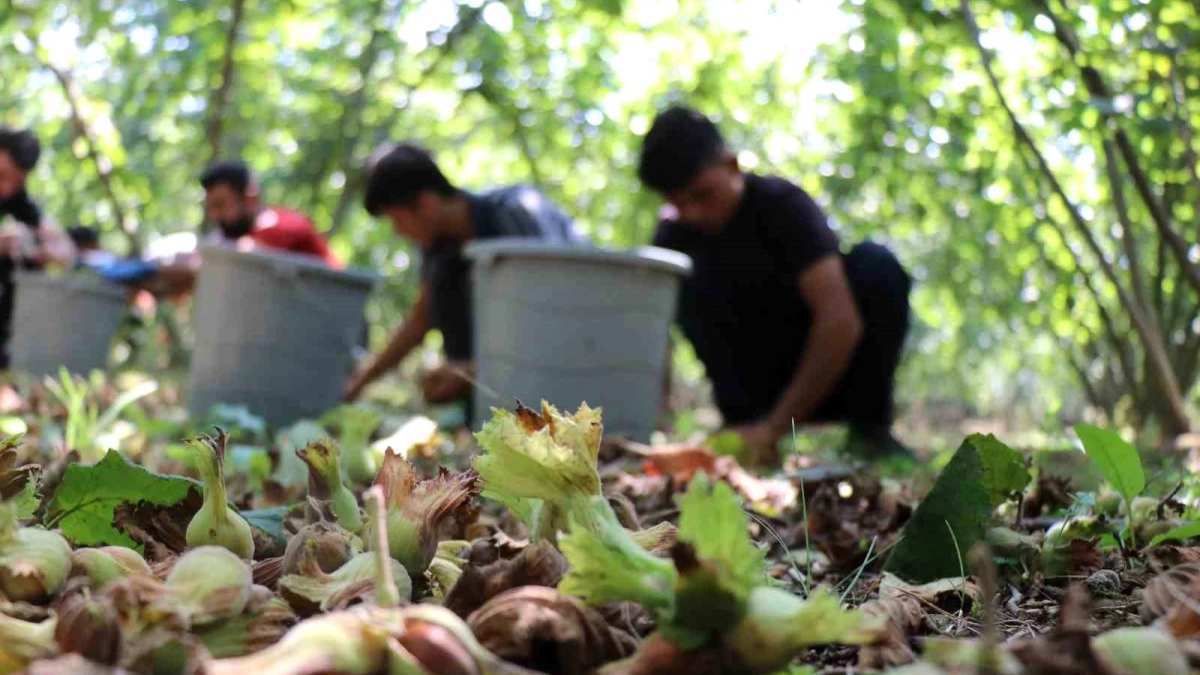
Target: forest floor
[(976, 558)]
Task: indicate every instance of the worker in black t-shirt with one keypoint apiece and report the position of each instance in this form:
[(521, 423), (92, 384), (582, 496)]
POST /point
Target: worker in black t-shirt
[(404, 184), (788, 328), (19, 243)]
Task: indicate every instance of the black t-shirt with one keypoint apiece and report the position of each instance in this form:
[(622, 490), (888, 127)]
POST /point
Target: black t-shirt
[(24, 211), (21, 207), (516, 211), (741, 307)]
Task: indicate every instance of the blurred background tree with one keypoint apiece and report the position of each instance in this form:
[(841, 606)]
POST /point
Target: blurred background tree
[(1034, 163)]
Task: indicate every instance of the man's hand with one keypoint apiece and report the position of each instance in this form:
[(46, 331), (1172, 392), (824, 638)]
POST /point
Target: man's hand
[(762, 441), (10, 244), (447, 382)]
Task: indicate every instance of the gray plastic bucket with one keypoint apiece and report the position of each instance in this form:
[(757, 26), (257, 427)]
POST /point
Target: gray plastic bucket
[(274, 332), (570, 324), (64, 320)]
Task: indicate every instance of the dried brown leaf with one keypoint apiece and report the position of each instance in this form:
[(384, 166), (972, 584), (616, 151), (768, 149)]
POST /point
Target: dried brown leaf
[(160, 529), (536, 565), (540, 628), (1067, 650), (904, 618)]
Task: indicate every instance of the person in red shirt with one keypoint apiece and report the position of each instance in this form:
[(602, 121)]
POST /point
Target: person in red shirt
[(231, 201)]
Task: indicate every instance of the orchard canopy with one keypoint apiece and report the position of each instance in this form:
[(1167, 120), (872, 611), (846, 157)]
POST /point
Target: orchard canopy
[(1033, 163)]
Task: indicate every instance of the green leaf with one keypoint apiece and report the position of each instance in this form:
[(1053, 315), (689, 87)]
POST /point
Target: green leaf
[(711, 519), (607, 565), (85, 501), (27, 499), (1004, 471), (960, 502), (1185, 531), (1117, 460), (269, 521)]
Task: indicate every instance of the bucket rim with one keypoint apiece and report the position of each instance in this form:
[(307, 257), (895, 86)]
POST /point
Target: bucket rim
[(273, 259), (77, 281), (650, 257)]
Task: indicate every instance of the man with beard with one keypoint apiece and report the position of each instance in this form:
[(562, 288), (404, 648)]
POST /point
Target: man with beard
[(232, 202)]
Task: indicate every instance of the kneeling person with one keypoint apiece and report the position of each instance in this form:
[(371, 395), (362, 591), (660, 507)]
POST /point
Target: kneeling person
[(405, 184), (788, 328)]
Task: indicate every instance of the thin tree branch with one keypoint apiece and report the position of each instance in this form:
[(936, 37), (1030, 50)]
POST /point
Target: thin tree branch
[(505, 108), (347, 128), (101, 164), (1127, 239), (1186, 133), (1118, 341), (354, 178), (219, 100), (1147, 332), (1099, 89)]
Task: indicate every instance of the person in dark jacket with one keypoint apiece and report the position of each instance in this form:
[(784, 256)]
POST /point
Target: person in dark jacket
[(405, 185), (790, 329)]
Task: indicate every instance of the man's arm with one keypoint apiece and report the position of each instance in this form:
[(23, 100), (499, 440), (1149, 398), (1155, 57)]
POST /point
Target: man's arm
[(410, 334), (836, 330)]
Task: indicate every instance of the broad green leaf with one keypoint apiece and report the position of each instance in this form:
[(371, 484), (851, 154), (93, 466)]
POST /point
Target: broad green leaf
[(1185, 531), (711, 519), (961, 503), (84, 503), (27, 499), (1117, 460), (1004, 471), (268, 520)]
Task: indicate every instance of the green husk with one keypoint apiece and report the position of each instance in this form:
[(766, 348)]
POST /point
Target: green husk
[(356, 425), (34, 563), (22, 642), (325, 483), (416, 510), (216, 524), (607, 565), (352, 642), (209, 584), (373, 571), (716, 591), (778, 625), (1141, 650), (547, 459), (106, 564)]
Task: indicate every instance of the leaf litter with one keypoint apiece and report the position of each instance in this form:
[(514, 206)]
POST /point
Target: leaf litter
[(584, 556)]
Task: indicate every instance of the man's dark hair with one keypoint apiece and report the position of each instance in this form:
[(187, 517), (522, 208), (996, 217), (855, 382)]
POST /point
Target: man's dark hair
[(84, 237), (680, 144), (22, 146), (397, 173), (233, 173)]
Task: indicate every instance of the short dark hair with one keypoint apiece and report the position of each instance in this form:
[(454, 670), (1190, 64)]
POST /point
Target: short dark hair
[(22, 146), (397, 173), (680, 144), (83, 236), (231, 172)]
